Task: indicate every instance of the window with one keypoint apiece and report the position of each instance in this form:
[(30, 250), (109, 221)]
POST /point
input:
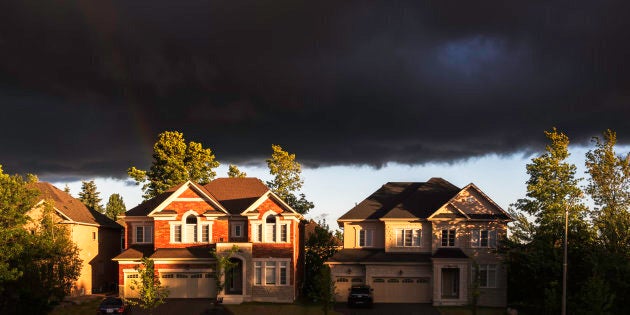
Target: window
[(366, 238), (270, 272), (167, 276), (191, 229), (488, 276), (181, 276), (205, 233), (237, 229), (257, 232), (283, 233), (483, 238), (270, 228), (132, 276), (93, 235), (448, 238), (342, 279), (177, 233), (408, 237), (144, 234), (258, 272)]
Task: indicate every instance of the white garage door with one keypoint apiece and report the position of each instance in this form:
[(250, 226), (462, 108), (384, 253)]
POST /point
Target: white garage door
[(401, 290), (179, 284), (342, 287), (189, 284)]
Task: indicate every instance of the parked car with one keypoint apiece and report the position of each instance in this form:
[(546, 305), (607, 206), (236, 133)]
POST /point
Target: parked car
[(360, 295), (113, 305)]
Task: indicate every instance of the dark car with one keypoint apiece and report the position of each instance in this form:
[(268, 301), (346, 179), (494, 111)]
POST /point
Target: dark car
[(113, 305), (360, 295)]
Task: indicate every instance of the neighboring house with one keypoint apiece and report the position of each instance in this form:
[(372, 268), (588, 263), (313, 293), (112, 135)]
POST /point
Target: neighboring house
[(97, 237), (179, 228), (421, 243)]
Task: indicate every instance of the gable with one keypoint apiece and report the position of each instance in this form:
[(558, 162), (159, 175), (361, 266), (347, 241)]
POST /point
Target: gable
[(186, 201), (448, 211), (472, 203)]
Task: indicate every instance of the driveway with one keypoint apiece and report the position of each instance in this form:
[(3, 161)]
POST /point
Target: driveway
[(183, 307), (389, 309)]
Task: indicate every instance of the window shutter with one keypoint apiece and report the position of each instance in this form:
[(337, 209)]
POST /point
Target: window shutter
[(493, 238), (474, 238)]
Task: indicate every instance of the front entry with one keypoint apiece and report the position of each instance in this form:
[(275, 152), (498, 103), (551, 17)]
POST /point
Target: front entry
[(450, 283), (234, 278)]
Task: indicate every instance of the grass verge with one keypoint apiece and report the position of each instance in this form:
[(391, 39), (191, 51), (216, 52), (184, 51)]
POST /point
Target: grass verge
[(458, 310)]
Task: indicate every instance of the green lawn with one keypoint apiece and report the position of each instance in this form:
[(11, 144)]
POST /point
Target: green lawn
[(457, 310), (88, 306)]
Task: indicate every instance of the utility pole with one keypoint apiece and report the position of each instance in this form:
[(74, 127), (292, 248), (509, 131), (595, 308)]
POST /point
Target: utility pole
[(564, 264)]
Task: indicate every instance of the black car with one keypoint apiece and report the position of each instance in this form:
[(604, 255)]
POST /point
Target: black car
[(360, 295), (113, 305)]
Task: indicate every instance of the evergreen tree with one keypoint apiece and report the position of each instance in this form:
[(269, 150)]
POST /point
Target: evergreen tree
[(320, 245), (174, 162), (66, 189), (90, 197), (287, 180), (233, 171), (115, 206)]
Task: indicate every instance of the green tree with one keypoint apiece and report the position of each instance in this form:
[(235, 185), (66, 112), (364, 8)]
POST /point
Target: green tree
[(287, 180), (66, 189), (150, 291), (16, 198), (233, 171), (320, 245), (536, 267), (609, 187), (90, 197), (224, 264), (115, 206), (174, 162)]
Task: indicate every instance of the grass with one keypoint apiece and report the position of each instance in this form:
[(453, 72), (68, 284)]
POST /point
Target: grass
[(88, 305), (276, 309), (459, 310)]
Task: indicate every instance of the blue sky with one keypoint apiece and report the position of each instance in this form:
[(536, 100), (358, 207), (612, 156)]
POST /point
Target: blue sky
[(336, 189)]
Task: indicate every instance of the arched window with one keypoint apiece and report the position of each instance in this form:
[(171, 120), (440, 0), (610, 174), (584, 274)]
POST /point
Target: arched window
[(271, 228), (191, 228)]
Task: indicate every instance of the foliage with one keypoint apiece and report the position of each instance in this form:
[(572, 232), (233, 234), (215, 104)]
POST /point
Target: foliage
[(522, 230), (66, 189), (90, 197), (327, 291), (115, 206), (287, 180), (150, 291), (174, 162), (223, 266), (233, 171), (320, 246), (535, 267)]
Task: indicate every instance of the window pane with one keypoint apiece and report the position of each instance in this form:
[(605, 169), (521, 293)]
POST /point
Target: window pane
[(493, 239), (205, 233), (474, 238), (177, 233), (258, 272), (191, 233), (362, 238), (283, 272), (399, 237), (270, 272), (451, 238), (492, 276), (237, 230), (484, 238), (271, 233), (283, 233), (408, 237), (417, 237), (139, 234), (259, 230)]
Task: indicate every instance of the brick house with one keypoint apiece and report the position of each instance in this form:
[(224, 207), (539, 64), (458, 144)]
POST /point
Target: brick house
[(96, 236), (424, 242), (179, 228)]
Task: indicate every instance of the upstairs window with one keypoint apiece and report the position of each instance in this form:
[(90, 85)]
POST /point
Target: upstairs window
[(487, 276), (483, 238), (143, 234), (177, 233), (366, 238), (408, 237), (270, 228), (237, 229), (448, 238), (191, 229)]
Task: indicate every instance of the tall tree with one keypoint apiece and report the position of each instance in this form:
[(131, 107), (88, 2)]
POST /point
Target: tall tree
[(90, 196), (536, 268), (233, 171), (66, 189), (287, 181), (320, 245), (174, 162), (115, 206)]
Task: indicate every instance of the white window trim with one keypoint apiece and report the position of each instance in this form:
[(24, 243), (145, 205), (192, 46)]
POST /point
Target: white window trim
[(182, 223), (413, 230), (277, 261), (262, 223), (369, 237), (454, 240), (144, 227), (475, 238)]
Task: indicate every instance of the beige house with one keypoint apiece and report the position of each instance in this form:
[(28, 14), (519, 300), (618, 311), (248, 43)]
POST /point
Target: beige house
[(424, 242), (98, 238)]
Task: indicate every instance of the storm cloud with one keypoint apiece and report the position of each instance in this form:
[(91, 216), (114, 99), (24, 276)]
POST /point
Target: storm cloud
[(86, 86)]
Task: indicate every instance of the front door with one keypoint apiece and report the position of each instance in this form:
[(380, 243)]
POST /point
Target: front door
[(450, 283), (234, 278)]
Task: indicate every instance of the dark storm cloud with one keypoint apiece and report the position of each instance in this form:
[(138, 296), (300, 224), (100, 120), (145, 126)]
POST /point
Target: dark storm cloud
[(85, 86)]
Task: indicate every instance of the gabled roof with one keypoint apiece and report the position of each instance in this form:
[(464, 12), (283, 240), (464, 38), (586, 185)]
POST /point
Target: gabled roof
[(237, 194), (362, 255), (403, 200), (72, 208), (136, 252), (477, 208)]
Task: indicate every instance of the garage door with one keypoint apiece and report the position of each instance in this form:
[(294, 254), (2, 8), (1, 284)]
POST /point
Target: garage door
[(129, 279), (342, 287), (401, 290), (189, 284)]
